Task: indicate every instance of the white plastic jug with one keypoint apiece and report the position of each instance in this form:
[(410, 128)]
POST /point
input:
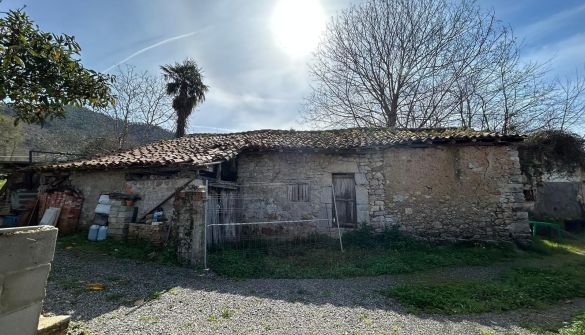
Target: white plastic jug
[(102, 233), (93, 232)]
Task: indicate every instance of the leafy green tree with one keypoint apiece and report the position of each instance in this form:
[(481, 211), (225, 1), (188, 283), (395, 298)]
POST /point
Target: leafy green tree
[(185, 85), (11, 141), (40, 72)]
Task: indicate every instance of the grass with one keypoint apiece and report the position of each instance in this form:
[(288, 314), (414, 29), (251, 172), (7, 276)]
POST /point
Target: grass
[(516, 288), (141, 251), (577, 326), (365, 255), (573, 246)]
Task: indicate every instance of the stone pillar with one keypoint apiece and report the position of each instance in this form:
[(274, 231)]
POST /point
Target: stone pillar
[(189, 223), (25, 260)]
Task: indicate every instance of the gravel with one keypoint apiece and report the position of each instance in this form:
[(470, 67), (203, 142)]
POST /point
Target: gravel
[(146, 298)]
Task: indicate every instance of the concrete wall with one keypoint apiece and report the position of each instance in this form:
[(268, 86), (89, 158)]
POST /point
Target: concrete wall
[(559, 201), (557, 196), (152, 190), (441, 192), (25, 261)]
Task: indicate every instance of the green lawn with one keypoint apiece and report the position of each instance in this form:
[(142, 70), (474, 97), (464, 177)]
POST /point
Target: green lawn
[(516, 288), (555, 279), (141, 251), (365, 255)]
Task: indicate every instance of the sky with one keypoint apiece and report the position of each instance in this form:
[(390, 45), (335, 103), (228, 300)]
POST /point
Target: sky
[(253, 54)]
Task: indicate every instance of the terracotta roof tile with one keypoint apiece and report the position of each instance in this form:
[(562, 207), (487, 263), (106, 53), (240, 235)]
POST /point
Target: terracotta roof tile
[(203, 149)]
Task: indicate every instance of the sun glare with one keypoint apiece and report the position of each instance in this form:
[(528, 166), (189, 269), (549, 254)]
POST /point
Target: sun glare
[(297, 26)]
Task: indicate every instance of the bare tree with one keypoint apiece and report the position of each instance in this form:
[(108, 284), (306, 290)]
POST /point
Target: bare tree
[(140, 98), (428, 63), (398, 62), (503, 93), (570, 103)]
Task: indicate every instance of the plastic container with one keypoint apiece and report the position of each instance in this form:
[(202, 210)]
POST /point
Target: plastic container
[(102, 233), (93, 232), (157, 215), (10, 221)]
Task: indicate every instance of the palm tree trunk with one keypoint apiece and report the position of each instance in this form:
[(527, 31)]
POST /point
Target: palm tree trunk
[(181, 123)]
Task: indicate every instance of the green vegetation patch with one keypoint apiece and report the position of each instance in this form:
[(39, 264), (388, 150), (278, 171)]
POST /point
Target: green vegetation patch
[(142, 251), (365, 255), (577, 326), (517, 288)]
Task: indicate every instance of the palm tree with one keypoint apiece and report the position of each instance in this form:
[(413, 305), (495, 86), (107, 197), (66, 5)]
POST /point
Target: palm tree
[(184, 83)]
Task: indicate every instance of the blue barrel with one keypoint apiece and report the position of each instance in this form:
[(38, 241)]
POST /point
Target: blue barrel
[(93, 232), (102, 233)]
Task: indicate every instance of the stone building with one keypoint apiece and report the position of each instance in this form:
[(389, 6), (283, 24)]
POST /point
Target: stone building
[(446, 184)]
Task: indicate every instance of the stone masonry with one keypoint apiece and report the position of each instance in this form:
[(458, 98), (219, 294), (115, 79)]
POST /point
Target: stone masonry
[(448, 192), (152, 190), (25, 260), (188, 224)]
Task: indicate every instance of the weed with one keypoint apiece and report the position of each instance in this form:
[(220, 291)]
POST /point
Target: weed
[(266, 326), (486, 332), (517, 288), (154, 295), (363, 317), (76, 327), (227, 313), (212, 317), (149, 319), (577, 326)]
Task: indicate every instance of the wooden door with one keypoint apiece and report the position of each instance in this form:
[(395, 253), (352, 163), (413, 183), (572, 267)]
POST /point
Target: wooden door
[(344, 194)]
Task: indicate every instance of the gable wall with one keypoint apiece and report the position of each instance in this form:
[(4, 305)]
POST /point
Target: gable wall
[(442, 192)]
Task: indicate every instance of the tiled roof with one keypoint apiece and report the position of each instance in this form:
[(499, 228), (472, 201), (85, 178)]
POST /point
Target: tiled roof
[(203, 149)]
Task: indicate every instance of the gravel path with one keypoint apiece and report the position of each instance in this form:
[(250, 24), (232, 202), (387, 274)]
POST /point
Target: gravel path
[(144, 298)]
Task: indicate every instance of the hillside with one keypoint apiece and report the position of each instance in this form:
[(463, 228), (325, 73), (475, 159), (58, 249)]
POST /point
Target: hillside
[(81, 131)]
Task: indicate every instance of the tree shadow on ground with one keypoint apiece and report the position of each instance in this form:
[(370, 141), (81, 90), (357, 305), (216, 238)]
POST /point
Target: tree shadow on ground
[(131, 285)]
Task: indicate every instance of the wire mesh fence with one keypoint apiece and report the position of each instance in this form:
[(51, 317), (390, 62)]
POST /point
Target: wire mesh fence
[(262, 223)]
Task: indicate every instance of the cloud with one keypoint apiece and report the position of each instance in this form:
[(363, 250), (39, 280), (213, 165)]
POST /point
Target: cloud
[(541, 29), (155, 45), (564, 55)]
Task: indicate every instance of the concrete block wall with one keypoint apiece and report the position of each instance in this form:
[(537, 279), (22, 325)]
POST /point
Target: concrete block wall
[(25, 261)]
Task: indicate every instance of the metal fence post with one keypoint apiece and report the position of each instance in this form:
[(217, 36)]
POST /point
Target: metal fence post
[(205, 224), (336, 217)]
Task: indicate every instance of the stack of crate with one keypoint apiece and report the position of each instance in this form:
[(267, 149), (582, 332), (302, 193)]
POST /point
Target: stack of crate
[(119, 219)]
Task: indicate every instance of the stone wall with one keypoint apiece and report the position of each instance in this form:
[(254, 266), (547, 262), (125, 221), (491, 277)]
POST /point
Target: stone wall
[(25, 260), (188, 224), (152, 190), (441, 192)]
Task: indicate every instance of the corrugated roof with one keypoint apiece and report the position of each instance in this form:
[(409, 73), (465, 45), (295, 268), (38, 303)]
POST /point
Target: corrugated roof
[(203, 149)]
